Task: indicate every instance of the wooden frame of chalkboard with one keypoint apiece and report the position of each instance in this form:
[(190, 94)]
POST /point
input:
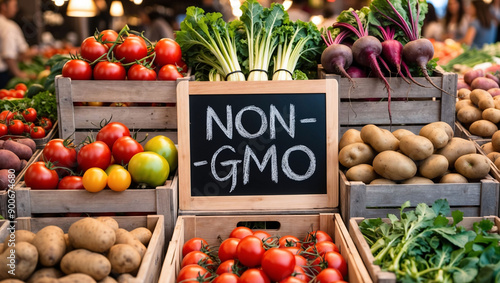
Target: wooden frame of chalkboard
[(247, 146)]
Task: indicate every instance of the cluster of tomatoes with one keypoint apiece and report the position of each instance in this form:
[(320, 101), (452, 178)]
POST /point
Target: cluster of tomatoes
[(24, 122), (249, 256), (113, 161), (16, 93), (109, 55)]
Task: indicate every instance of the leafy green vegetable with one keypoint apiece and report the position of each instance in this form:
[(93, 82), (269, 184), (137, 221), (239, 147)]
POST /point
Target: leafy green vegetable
[(44, 102)]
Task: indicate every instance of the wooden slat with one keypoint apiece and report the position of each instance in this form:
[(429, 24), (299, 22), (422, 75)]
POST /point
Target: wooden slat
[(448, 99), (4, 226), (65, 107), (254, 87)]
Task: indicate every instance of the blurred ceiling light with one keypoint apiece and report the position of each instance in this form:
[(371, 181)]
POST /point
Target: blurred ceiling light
[(116, 9), (81, 8), (137, 2), (59, 3), (287, 4), (318, 19)]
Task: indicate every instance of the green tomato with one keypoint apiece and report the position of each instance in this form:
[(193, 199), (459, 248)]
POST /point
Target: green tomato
[(113, 167), (149, 168), (164, 147)]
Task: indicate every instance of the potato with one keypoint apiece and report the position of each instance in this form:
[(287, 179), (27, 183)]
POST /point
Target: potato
[(486, 103), (125, 237), (473, 166), (382, 182), (483, 83), (471, 75), (463, 94), (494, 91), (453, 178), (483, 128), (417, 180), (83, 261), (21, 150), (495, 141), (434, 166), (125, 278), (68, 244), (439, 133), (29, 142), (356, 153), (46, 272), (124, 258), (456, 148), (142, 234), (91, 234), (492, 115), (111, 222), (493, 77), (5, 180), (497, 162), (9, 160), (463, 103), (477, 94), (493, 156), (76, 278), (50, 244), (108, 279), (22, 258), (19, 236), (378, 138), (487, 148), (394, 166), (12, 281), (416, 147), (469, 114), (399, 133), (497, 102), (461, 84), (349, 137), (47, 280), (361, 172)]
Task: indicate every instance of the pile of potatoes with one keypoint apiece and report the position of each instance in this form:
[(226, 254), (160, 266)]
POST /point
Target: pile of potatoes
[(377, 156), (478, 105), (492, 149), (93, 250), (14, 155)]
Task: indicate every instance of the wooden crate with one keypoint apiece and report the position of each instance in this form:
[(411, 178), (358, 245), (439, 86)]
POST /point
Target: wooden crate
[(211, 227), (372, 201), (150, 268), (412, 106), (81, 121), (161, 201), (377, 275)]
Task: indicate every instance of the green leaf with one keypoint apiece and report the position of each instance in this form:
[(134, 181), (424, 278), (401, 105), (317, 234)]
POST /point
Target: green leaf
[(467, 270), (491, 255), (441, 221), (458, 216), (441, 206)]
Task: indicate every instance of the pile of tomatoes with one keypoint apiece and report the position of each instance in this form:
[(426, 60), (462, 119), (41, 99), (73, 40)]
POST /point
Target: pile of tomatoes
[(109, 55), (115, 160), (16, 93), (24, 122), (249, 256)]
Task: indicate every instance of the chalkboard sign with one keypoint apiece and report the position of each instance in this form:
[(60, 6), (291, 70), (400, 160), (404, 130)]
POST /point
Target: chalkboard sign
[(260, 142)]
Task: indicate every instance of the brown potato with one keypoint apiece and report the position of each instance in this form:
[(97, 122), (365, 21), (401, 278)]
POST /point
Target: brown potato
[(91, 234), (463, 94), (361, 172), (379, 139), (400, 133), (493, 156), (434, 166), (356, 153), (76, 278), (108, 279), (142, 234), (456, 148), (497, 162), (492, 115), (50, 244), (24, 261), (483, 128), (124, 258), (488, 148), (469, 114), (477, 94), (473, 166), (19, 236), (125, 237), (416, 147), (439, 133), (349, 137), (83, 261), (463, 103), (382, 182), (453, 178), (394, 166), (46, 272), (111, 222), (495, 141), (417, 180)]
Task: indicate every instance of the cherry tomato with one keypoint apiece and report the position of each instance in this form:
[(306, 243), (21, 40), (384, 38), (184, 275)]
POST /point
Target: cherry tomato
[(240, 232), (94, 179), (124, 148), (29, 114), (227, 278), (77, 70), (96, 154), (193, 274), (164, 147), (16, 127), (111, 132), (278, 264), (254, 275), (197, 257), (108, 37), (46, 123), (132, 49), (3, 129), (194, 244), (119, 179), (91, 49), (250, 251), (225, 267), (227, 249), (289, 241), (60, 152), (169, 73), (149, 168), (337, 261), (39, 177), (139, 72), (109, 71), (37, 132), (168, 51), (328, 275), (71, 183)]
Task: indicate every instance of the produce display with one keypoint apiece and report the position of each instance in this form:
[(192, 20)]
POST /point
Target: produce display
[(423, 245), (252, 255), (93, 249), (377, 156), (14, 157)]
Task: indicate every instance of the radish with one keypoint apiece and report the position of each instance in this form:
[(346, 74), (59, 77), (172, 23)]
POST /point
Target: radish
[(356, 72), (392, 50), (336, 58)]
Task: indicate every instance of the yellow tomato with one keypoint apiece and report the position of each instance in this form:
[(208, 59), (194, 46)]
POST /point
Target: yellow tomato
[(113, 167), (119, 179), (94, 180)]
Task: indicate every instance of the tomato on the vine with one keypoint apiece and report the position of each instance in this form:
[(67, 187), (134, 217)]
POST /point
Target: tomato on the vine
[(240, 232), (77, 70), (328, 275), (3, 129), (28, 126), (18, 93), (316, 237), (91, 49), (29, 114), (111, 132), (300, 273), (95, 154), (21, 86), (193, 274), (131, 49), (60, 152), (94, 180), (197, 257), (71, 183), (16, 127), (108, 37), (227, 278), (337, 261), (109, 71), (254, 275), (119, 179), (140, 72), (169, 72), (168, 51), (278, 264), (194, 244), (6, 116), (39, 177), (326, 246), (124, 148), (225, 266), (263, 235), (289, 241), (250, 251), (227, 249), (292, 279), (46, 123), (37, 132)]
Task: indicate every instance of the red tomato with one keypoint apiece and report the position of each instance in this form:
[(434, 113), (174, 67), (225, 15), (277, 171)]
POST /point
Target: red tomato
[(300, 260), (326, 246), (16, 127), (39, 177), (329, 275), (316, 237), (124, 148), (91, 49), (132, 49), (194, 244), (21, 86), (19, 93), (29, 114), (254, 275), (250, 251), (71, 183), (292, 279), (77, 70), (6, 116), (278, 264), (111, 132), (37, 132), (227, 278), (96, 154), (169, 73), (263, 235), (28, 126), (4, 93), (181, 64), (139, 72), (108, 37), (337, 261), (225, 267), (193, 274), (167, 52), (3, 129), (109, 71), (300, 273), (240, 232), (60, 152), (197, 257), (227, 249), (289, 241), (293, 250), (46, 123)]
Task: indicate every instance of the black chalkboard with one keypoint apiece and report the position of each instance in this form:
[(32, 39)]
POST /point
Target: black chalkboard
[(231, 136)]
